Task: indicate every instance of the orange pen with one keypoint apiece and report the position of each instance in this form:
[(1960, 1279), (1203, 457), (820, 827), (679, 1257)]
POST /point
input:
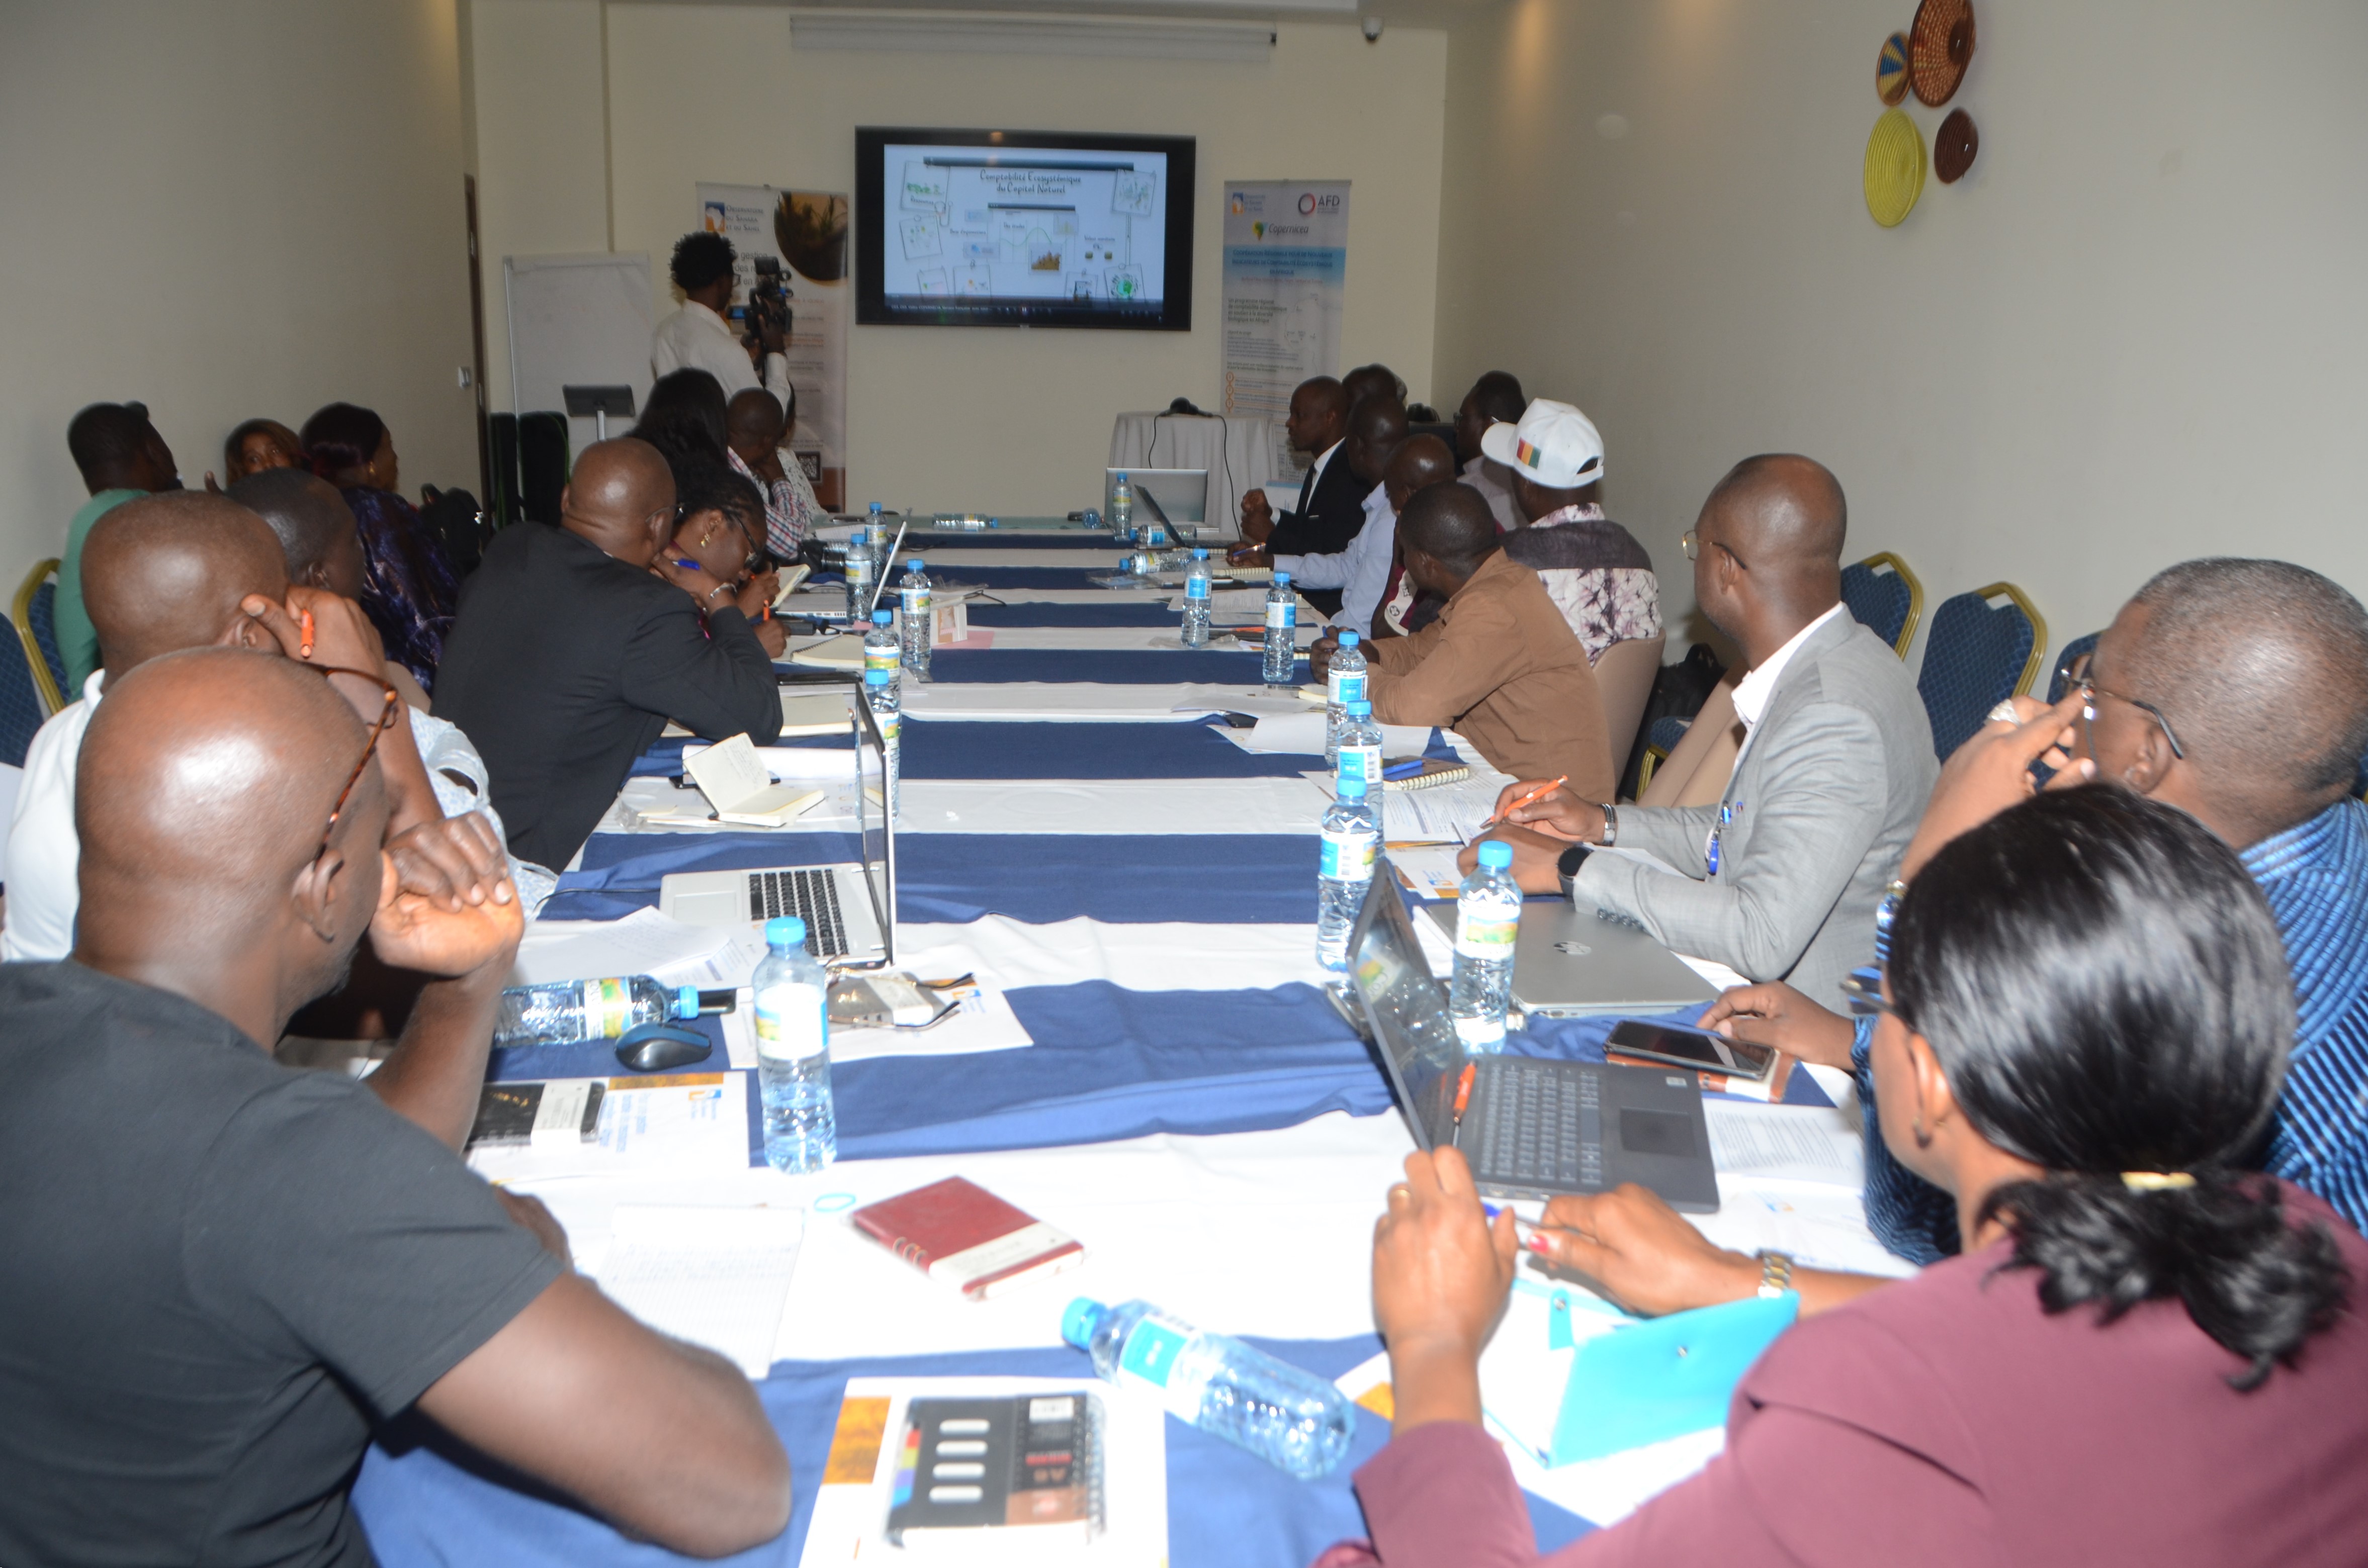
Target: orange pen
[(1463, 1098), (304, 633), (1531, 799)]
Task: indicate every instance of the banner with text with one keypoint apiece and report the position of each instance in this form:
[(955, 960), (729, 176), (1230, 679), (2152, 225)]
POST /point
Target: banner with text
[(806, 231), (1286, 262)]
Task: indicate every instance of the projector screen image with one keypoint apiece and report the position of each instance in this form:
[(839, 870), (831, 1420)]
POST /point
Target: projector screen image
[(982, 228)]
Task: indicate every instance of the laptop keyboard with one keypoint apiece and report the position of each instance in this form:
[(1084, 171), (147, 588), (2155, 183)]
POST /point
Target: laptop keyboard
[(1543, 1124), (811, 897)]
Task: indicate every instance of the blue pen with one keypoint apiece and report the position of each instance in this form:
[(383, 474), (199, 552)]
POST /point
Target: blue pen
[(1726, 813), (1532, 1236), (1405, 769)]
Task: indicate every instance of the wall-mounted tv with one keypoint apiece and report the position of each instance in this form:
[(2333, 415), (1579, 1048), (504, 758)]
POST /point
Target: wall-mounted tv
[(1022, 228)]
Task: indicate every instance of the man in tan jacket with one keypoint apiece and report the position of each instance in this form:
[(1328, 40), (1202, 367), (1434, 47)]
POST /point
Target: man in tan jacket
[(1500, 666)]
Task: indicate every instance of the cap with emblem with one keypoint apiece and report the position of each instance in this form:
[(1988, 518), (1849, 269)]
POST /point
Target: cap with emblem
[(1555, 445)]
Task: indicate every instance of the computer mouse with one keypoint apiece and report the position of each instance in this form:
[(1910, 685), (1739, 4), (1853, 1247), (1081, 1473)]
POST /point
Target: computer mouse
[(654, 1048)]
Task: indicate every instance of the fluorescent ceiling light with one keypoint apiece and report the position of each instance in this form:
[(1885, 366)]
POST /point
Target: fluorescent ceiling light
[(981, 33)]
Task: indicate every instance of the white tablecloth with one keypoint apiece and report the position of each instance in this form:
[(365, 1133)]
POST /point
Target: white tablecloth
[(1238, 453)]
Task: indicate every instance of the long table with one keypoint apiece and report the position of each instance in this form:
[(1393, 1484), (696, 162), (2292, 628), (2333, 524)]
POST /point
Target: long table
[(1192, 1106)]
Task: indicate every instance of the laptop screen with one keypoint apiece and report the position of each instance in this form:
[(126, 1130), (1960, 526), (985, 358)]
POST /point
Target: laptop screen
[(1406, 1008), (875, 831), (1163, 494)]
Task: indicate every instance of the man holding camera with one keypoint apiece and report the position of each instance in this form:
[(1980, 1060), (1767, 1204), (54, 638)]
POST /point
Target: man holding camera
[(699, 337)]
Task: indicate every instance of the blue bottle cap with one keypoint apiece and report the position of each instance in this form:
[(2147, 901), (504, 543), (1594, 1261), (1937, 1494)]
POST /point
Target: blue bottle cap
[(785, 931), (1348, 638), (1351, 787), (1082, 1317), (1200, 555), (915, 563), (879, 617), (1359, 708), (876, 677), (1282, 579), (686, 1002), (1496, 854), (875, 505)]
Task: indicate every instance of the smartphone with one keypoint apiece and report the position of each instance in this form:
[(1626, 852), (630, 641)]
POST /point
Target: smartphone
[(1697, 1049)]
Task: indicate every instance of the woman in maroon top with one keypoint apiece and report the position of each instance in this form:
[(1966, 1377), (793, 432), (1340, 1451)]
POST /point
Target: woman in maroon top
[(2145, 1354)]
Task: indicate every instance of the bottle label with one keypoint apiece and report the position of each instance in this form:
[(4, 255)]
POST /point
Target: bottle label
[(793, 1021), (1196, 587), (1362, 762), (1485, 936), (1148, 1358), (1281, 615), (1347, 685), (1345, 856), (917, 604), (607, 1008), (886, 658)]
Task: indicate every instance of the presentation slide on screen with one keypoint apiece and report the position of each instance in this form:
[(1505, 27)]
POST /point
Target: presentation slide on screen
[(984, 225)]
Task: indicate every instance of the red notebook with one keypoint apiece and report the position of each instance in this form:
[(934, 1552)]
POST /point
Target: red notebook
[(958, 1231)]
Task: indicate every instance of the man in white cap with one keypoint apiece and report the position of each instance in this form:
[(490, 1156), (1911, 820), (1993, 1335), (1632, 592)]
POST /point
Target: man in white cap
[(1597, 573)]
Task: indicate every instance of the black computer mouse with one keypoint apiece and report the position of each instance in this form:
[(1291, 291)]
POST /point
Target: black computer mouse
[(653, 1048)]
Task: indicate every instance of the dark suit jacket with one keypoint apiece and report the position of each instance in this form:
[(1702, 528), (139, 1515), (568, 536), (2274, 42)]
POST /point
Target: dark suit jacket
[(563, 664), (1334, 514)]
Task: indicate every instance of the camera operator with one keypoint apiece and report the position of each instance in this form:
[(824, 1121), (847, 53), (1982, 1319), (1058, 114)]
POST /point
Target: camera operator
[(699, 337)]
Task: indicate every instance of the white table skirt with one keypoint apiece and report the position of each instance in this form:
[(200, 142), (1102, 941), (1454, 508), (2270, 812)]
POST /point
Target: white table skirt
[(1238, 454)]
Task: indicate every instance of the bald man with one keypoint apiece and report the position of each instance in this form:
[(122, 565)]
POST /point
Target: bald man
[(1330, 507), (756, 430), (575, 644), (1781, 879), (188, 570), (223, 1274), (1499, 666), (1348, 586)]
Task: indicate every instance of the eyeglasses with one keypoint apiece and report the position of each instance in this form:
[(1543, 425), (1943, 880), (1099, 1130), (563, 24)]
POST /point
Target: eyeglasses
[(1865, 989), (2079, 676), (1690, 542), (385, 721)]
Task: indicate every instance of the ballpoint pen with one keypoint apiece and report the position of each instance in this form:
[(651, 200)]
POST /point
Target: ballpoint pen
[(304, 633), (1463, 1098), (1531, 799), (1532, 1235)]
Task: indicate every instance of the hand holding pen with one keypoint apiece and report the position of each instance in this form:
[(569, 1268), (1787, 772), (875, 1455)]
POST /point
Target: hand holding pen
[(1523, 802)]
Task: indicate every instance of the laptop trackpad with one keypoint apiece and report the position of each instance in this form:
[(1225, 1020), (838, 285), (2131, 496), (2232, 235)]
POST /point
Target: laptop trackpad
[(1656, 1133), (723, 906)]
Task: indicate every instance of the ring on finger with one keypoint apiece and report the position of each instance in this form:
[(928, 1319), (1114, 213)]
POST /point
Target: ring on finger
[(2003, 713)]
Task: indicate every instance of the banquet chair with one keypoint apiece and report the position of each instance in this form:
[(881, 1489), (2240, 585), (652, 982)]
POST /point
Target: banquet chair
[(1979, 655), (34, 614), (1886, 597)]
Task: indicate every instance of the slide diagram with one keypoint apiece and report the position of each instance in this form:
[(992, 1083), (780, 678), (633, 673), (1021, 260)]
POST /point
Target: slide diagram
[(1028, 224)]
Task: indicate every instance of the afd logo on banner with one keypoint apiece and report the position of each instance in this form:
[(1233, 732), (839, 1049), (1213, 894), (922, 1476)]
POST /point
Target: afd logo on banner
[(1326, 203)]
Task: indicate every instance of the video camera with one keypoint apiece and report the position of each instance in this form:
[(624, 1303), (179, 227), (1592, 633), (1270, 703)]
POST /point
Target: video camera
[(769, 297)]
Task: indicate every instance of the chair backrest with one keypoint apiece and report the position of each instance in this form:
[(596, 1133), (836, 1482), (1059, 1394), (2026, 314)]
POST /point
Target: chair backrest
[(34, 614), (2078, 649), (1886, 597), (1624, 678), (1696, 771), (1979, 655)]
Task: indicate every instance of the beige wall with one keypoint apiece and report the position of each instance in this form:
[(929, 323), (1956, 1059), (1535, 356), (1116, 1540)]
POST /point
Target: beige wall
[(1015, 421), (248, 206), (2137, 332)]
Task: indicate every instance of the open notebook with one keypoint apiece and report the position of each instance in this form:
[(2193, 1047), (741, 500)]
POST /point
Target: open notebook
[(732, 778)]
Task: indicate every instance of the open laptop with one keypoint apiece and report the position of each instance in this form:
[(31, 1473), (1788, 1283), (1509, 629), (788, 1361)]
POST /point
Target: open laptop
[(1169, 495), (1569, 964), (1532, 1128), (850, 906)]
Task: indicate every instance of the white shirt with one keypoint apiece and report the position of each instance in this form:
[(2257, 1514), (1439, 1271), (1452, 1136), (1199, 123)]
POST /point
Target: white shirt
[(696, 338), (1752, 692), (1481, 475), (1360, 572)]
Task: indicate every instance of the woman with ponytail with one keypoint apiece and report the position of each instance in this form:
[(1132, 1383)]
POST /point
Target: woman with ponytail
[(2145, 1353)]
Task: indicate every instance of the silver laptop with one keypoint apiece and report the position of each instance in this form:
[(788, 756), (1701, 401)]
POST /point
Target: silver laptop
[(1533, 1127), (850, 906), (1572, 965), (1169, 495)]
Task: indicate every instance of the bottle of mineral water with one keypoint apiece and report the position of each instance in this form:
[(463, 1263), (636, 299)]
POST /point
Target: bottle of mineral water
[(1360, 751), (883, 651), (1351, 837), (1122, 512), (919, 621), (564, 1011), (1196, 601), (1487, 917), (1293, 1420), (880, 691), (793, 1052), (1281, 630), (859, 579), (1344, 682), (883, 545)]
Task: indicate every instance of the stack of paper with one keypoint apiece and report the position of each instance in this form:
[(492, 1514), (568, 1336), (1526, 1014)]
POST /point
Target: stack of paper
[(684, 1121), (716, 1278), (643, 942)]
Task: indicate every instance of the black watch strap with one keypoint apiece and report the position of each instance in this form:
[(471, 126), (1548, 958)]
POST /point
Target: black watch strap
[(1567, 864)]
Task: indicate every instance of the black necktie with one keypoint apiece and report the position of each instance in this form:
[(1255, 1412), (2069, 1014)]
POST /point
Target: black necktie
[(1306, 489)]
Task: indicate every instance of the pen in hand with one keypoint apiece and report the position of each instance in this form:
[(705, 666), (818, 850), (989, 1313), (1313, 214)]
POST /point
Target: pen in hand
[(1463, 1098), (1531, 799), (304, 640)]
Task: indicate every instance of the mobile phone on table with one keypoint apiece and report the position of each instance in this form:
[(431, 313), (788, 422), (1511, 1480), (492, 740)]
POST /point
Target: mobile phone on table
[(1674, 1045)]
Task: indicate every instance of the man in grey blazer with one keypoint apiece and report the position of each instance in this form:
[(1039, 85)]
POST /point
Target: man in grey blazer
[(1780, 879)]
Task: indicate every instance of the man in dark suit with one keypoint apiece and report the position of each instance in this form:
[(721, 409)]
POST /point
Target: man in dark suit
[(1331, 498), (568, 655)]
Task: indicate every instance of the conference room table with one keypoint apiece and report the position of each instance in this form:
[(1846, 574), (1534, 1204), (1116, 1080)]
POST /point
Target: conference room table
[(1139, 889)]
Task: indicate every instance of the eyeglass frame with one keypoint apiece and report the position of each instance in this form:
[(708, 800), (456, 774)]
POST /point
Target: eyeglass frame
[(1690, 545), (2078, 673), (369, 745)]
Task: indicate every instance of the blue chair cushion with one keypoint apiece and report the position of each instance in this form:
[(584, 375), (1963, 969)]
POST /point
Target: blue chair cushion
[(20, 702), (1878, 600), (1972, 661), (43, 614), (1665, 732), (2073, 651)]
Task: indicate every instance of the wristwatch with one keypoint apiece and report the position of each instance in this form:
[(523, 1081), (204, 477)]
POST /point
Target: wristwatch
[(1611, 824), (1775, 1274), (1567, 867)]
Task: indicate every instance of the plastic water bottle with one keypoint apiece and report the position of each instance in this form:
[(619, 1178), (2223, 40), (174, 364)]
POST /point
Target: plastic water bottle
[(880, 691), (1344, 682), (564, 1011), (1196, 601), (883, 651), (1281, 630), (1487, 916), (793, 1052), (1121, 514), (883, 545), (859, 579), (1360, 751), (1293, 1420), (1351, 837), (919, 622)]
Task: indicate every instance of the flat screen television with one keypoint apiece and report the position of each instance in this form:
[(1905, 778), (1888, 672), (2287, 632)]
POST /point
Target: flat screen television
[(1022, 228)]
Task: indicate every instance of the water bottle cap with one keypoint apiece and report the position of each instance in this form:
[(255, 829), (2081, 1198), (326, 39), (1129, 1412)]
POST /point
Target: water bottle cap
[(785, 931), (1496, 854), (1359, 708), (875, 505), (1351, 787), (1348, 638), (914, 564), (1200, 555), (876, 677), (1082, 1317), (1122, 476), (686, 1002), (879, 618), (1282, 579)]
